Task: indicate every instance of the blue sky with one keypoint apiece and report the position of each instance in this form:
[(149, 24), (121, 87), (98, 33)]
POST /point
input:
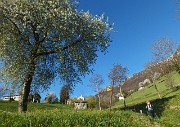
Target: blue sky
[(137, 24)]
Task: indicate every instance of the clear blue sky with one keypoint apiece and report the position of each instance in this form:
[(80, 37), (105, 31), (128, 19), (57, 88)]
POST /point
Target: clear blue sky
[(137, 24)]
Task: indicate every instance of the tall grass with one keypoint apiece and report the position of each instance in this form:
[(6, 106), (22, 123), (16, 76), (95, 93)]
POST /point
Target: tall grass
[(73, 118)]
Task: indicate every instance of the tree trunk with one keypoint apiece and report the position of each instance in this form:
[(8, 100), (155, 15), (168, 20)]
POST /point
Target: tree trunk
[(124, 104), (10, 98), (120, 90), (157, 91), (99, 102), (25, 89), (110, 104)]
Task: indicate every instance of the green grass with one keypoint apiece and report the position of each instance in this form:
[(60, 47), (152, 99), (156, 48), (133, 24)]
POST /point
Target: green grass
[(57, 115), (167, 107), (170, 112), (150, 93), (167, 110), (13, 106), (75, 118)]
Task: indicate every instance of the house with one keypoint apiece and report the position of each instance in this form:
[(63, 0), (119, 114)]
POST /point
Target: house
[(120, 96), (140, 88), (36, 98), (69, 101), (80, 103), (15, 98)]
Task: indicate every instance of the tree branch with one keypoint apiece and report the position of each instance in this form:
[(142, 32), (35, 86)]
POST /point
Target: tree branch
[(43, 39), (19, 32), (56, 51)]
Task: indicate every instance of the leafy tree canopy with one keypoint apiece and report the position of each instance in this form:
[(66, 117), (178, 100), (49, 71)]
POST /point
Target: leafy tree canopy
[(46, 38)]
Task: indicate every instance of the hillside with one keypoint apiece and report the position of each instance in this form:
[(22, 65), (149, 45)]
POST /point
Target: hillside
[(149, 92), (132, 83), (167, 108)]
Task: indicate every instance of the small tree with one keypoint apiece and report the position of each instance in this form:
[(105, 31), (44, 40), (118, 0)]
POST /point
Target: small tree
[(117, 75), (162, 51), (91, 102), (64, 94), (156, 77), (169, 80), (105, 101), (163, 48), (50, 98), (56, 100), (96, 81)]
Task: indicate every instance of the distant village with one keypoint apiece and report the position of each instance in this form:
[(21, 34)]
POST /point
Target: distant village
[(79, 103)]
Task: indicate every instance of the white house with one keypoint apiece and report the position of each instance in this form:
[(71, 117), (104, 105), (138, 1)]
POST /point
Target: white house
[(15, 98), (81, 98), (80, 103), (121, 98), (69, 101), (146, 81), (140, 88)]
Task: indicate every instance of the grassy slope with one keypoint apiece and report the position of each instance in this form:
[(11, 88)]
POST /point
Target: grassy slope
[(167, 108), (57, 115), (75, 118), (149, 92), (32, 107)]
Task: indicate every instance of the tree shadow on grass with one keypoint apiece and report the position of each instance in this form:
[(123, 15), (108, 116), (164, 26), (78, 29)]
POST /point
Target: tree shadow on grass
[(169, 91), (159, 106)]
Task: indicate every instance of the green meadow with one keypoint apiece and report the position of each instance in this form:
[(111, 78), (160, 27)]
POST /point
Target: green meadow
[(167, 109)]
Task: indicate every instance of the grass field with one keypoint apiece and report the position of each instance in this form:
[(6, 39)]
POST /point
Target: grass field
[(75, 118), (57, 115), (150, 93), (167, 108), (32, 107)]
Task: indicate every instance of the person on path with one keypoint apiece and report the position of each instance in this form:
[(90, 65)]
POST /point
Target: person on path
[(150, 109)]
